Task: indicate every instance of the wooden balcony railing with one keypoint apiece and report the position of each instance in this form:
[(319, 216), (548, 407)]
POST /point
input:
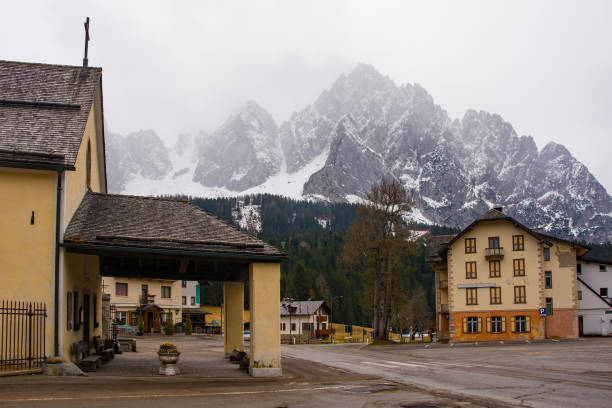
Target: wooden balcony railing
[(494, 253), (146, 300), (325, 332)]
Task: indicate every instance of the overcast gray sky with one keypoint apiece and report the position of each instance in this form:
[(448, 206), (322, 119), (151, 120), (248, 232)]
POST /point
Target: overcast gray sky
[(544, 66)]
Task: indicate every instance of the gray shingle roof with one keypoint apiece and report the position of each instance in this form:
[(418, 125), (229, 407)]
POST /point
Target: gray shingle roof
[(144, 222), (435, 244), (302, 307), (43, 111)]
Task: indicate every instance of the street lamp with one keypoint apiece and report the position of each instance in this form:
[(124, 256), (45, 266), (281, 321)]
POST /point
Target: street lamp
[(288, 306)]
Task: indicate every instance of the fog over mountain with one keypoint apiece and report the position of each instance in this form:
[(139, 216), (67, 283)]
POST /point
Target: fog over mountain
[(362, 128)]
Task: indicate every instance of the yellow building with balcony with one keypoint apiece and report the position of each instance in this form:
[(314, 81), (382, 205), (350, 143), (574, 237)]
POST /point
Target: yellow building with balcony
[(154, 299), (493, 278)]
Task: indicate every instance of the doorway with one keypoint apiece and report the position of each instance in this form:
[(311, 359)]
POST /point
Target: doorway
[(580, 326)]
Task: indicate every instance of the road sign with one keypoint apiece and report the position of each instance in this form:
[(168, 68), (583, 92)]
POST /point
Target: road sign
[(542, 311)]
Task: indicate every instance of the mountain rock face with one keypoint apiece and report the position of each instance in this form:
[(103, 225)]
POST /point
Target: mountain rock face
[(245, 153), (139, 153), (368, 127)]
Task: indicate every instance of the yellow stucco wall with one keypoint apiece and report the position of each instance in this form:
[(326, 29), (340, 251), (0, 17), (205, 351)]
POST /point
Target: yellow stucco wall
[(81, 275), (76, 181), (533, 272), (562, 264), (27, 251), (215, 314), (264, 288), (233, 314)]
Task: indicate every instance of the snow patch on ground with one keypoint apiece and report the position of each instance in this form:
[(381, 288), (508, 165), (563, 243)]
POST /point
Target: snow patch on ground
[(248, 217), (284, 184), (416, 215), (435, 204), (323, 221)]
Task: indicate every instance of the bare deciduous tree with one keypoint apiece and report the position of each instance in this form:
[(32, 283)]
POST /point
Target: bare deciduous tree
[(375, 242)]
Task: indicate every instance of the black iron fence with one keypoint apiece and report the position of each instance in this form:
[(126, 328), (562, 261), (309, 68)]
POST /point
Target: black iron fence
[(22, 335)]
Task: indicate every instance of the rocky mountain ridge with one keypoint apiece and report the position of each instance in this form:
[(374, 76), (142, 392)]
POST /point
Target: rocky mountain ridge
[(363, 128)]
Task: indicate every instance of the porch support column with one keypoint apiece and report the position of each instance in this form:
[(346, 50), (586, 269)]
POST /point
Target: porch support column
[(233, 312), (264, 291)]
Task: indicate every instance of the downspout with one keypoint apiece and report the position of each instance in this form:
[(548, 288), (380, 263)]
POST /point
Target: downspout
[(57, 271)]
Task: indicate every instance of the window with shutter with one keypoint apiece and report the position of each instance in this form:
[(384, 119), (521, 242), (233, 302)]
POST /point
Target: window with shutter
[(488, 325), (465, 325), (513, 324), (470, 270), (479, 330), (527, 324), (503, 324)]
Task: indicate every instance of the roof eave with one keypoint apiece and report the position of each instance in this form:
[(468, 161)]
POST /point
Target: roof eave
[(172, 252), (36, 165)]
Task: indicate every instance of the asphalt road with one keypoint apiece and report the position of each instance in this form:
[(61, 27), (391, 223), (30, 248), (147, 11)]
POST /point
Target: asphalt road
[(563, 374), (550, 374), (208, 380)]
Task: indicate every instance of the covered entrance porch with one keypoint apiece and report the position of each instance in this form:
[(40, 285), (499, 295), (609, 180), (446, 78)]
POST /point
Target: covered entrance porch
[(153, 238)]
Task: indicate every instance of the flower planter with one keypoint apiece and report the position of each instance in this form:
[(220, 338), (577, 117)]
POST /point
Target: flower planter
[(168, 363)]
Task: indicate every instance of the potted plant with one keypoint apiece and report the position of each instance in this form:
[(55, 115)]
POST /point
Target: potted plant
[(168, 357)]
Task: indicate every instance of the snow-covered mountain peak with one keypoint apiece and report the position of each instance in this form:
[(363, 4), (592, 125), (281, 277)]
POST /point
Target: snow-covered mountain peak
[(362, 128)]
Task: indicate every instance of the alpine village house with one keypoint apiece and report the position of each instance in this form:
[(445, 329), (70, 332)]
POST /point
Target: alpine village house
[(61, 231), (499, 280)]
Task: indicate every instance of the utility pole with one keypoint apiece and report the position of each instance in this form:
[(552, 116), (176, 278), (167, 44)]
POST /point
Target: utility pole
[(289, 308)]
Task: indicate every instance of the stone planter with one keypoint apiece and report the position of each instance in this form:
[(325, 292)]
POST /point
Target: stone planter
[(168, 363)]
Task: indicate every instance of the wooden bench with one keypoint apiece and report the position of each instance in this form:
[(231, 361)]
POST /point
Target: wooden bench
[(106, 353), (90, 363)]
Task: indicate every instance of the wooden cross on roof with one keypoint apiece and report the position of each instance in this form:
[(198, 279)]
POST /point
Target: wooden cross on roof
[(85, 61)]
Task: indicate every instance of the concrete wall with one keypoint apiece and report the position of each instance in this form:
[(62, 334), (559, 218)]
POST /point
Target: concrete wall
[(596, 279), (189, 291), (27, 251), (563, 322), (596, 314)]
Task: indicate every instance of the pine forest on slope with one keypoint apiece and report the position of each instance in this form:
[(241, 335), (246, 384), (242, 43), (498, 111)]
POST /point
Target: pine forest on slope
[(360, 129)]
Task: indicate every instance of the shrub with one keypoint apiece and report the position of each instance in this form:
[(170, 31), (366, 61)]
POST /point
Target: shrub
[(140, 324), (188, 327), (169, 326)]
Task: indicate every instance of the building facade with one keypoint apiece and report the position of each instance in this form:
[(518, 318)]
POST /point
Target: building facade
[(595, 308), (153, 298), (493, 278), (305, 319)]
